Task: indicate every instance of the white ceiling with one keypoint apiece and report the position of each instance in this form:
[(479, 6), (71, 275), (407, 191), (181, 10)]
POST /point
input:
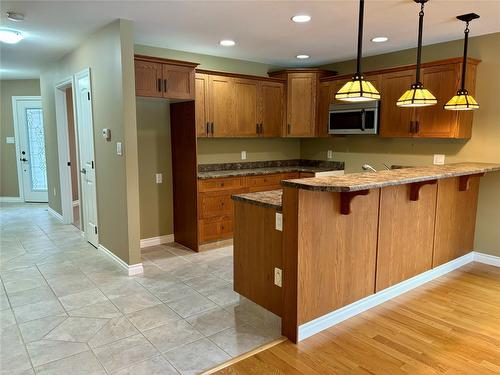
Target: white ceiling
[(262, 29)]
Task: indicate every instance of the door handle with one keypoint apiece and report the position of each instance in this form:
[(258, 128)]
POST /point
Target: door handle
[(83, 171), (24, 160)]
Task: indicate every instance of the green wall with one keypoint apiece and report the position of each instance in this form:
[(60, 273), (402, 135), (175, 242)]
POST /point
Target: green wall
[(483, 146), (9, 185), (109, 55)]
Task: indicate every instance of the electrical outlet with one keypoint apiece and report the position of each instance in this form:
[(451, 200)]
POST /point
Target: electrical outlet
[(243, 155), (438, 159), (278, 277), (279, 221), (329, 154), (159, 178)]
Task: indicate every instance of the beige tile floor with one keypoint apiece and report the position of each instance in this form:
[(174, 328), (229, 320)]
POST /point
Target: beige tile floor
[(66, 308)]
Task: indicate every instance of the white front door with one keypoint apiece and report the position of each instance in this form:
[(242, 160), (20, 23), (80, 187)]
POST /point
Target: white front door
[(31, 149), (87, 165)]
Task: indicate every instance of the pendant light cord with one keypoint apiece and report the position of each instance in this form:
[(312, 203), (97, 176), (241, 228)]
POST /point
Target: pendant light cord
[(360, 36), (464, 63), (419, 49)]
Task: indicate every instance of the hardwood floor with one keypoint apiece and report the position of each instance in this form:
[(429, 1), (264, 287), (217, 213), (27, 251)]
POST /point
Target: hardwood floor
[(448, 326)]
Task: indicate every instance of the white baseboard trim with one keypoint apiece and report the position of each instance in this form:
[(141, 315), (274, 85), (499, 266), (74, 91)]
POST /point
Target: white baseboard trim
[(492, 260), (56, 214), (11, 200), (154, 241), (76, 203), (133, 269), (329, 320)]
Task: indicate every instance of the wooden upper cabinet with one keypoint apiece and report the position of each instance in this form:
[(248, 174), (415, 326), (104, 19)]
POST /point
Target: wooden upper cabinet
[(395, 121), (221, 105), (434, 121), (201, 105), (301, 104), (272, 108), (163, 78), (246, 96), (148, 78), (178, 82)]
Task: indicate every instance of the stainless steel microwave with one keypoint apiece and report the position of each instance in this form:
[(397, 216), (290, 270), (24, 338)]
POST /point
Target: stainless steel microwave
[(354, 118)]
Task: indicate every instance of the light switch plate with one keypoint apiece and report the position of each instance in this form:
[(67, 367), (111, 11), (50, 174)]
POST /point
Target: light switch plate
[(159, 178), (106, 134), (278, 277), (10, 140), (329, 154), (438, 159), (119, 149), (243, 155), (279, 221)]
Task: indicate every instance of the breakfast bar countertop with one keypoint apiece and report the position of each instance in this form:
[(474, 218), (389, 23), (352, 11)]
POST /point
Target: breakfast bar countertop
[(268, 199), (374, 180)]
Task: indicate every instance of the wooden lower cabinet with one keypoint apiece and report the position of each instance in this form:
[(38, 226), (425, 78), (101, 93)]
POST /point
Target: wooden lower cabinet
[(455, 219), (406, 233), (216, 207)]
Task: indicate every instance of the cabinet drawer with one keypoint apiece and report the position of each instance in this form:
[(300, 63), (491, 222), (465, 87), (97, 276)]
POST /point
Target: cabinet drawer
[(306, 174), (215, 229), (215, 204), (266, 180), (290, 176), (217, 184)]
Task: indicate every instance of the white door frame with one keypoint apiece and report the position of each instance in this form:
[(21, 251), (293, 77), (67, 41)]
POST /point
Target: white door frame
[(63, 148), (15, 100)]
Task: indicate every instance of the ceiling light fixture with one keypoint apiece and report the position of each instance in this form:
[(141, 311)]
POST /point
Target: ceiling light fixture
[(16, 17), (380, 39), (301, 18), (10, 36), (302, 56), (417, 95), (463, 101), (227, 43), (357, 89)]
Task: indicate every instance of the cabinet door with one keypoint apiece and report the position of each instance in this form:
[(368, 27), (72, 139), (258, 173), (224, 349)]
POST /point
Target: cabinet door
[(246, 93), (272, 108), (178, 82), (148, 76), (326, 92), (221, 105), (443, 82), (301, 104), (201, 104), (395, 121)]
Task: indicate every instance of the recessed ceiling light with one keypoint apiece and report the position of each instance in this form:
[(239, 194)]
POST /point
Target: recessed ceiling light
[(301, 18), (302, 56), (380, 39), (16, 17), (227, 43), (10, 36)]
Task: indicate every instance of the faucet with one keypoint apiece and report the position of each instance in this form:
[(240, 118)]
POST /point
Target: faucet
[(368, 167)]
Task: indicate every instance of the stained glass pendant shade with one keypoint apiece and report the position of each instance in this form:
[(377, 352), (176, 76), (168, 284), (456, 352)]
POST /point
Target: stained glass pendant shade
[(358, 89), (418, 95), (463, 101)]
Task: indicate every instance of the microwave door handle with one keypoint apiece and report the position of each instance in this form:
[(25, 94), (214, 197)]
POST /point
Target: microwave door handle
[(363, 120)]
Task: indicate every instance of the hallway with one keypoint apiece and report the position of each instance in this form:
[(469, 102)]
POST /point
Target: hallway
[(66, 307)]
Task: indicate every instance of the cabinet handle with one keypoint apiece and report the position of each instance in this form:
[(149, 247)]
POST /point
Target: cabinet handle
[(261, 128), (159, 85), (411, 127), (207, 128), (257, 128), (417, 127), (289, 128), (212, 128), (165, 85)]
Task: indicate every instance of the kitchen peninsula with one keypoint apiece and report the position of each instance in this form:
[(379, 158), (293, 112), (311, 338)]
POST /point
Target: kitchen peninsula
[(350, 237)]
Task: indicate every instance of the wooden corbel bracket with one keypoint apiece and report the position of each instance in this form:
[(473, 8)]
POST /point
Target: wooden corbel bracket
[(416, 186), (347, 197), (464, 181)]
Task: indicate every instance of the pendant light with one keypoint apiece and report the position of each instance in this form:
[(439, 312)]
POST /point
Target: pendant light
[(417, 95), (357, 89), (463, 101)]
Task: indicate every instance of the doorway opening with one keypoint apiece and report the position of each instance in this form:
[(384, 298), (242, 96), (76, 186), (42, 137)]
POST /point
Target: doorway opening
[(30, 148)]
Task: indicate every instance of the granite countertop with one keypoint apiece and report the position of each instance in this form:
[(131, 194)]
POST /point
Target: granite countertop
[(269, 199), (373, 180), (207, 171)]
